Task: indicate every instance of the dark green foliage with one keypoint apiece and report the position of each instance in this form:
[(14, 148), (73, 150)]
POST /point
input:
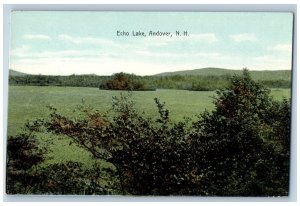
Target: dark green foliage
[(121, 81), (23, 157), (276, 83), (238, 142), (241, 148), (149, 157), (26, 175), (47, 80), (71, 178)]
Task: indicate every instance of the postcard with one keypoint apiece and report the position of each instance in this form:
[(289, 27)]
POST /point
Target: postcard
[(149, 103)]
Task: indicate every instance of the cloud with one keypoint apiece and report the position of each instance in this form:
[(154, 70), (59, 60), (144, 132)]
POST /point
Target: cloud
[(20, 51), (26, 52), (36, 37), (134, 49), (104, 66), (138, 56), (282, 48), (157, 41), (108, 65), (206, 37), (178, 55), (243, 37), (88, 40), (271, 62)]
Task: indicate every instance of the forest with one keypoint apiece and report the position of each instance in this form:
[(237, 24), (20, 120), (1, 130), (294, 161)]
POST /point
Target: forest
[(178, 81)]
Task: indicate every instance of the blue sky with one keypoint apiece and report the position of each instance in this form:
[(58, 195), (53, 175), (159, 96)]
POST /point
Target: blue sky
[(62, 43)]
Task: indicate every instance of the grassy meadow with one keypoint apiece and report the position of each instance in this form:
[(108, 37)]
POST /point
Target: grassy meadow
[(29, 102)]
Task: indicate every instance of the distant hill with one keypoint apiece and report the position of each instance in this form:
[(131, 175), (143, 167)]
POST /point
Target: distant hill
[(16, 73), (257, 75)]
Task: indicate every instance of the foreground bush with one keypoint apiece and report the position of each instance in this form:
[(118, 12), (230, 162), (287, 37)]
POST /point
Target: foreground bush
[(23, 158), (240, 148)]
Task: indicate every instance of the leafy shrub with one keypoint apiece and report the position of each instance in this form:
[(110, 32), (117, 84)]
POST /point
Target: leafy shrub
[(26, 175), (72, 178), (148, 156), (23, 158), (236, 143), (27, 172)]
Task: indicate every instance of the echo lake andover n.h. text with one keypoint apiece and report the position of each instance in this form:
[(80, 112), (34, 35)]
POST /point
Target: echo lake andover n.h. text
[(152, 33)]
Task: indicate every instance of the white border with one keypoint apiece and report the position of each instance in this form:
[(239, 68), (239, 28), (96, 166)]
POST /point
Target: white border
[(157, 7)]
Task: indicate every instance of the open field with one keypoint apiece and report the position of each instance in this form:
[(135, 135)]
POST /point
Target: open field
[(29, 103)]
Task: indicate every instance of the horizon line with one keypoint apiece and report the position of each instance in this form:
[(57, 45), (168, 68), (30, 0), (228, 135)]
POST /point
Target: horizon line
[(258, 70)]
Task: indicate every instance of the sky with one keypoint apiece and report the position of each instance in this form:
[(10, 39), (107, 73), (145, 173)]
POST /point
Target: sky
[(64, 43)]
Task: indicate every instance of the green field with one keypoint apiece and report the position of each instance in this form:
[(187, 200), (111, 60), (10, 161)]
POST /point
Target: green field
[(29, 102)]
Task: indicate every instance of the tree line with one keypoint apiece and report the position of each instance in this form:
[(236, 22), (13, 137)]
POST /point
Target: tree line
[(240, 148), (123, 81)]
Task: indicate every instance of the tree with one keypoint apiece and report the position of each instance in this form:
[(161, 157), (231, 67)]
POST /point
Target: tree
[(23, 157), (236, 144), (123, 81)]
